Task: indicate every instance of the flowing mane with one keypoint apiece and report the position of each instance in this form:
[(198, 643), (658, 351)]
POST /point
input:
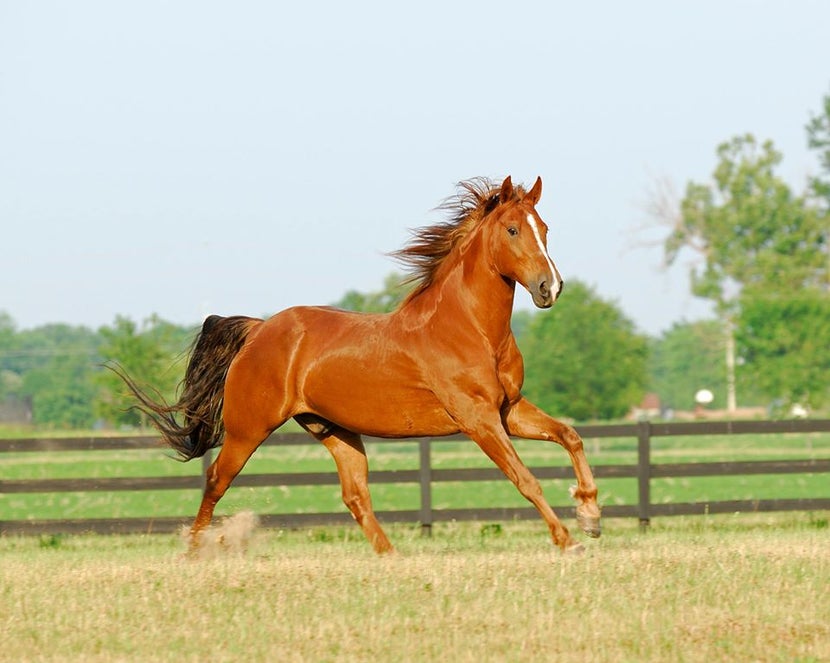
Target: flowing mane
[(474, 199)]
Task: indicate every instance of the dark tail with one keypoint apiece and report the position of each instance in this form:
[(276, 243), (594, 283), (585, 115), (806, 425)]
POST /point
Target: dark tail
[(199, 407)]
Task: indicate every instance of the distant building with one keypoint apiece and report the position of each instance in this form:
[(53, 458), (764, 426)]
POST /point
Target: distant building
[(649, 408)]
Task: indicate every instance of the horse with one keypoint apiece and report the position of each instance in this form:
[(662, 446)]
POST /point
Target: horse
[(445, 361)]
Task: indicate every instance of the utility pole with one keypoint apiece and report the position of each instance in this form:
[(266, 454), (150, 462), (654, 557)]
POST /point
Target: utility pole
[(731, 396)]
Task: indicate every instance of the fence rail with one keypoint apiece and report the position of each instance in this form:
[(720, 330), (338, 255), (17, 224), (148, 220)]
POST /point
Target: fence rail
[(426, 475)]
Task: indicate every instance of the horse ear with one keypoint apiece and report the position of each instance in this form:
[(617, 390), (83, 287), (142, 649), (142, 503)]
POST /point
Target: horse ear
[(506, 192), (535, 193)]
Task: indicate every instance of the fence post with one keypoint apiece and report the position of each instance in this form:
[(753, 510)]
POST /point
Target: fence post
[(207, 459), (644, 473), (425, 479)]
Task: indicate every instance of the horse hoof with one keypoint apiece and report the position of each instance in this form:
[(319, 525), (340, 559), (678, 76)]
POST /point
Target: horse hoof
[(575, 548)]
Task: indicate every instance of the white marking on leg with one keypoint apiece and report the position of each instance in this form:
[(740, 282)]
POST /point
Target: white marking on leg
[(535, 228)]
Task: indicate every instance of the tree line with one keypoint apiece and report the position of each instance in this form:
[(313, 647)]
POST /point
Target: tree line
[(762, 256), (57, 370)]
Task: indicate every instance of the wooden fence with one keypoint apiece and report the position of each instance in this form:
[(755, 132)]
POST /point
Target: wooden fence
[(425, 476)]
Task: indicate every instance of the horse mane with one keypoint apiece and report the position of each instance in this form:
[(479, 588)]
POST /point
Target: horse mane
[(423, 255)]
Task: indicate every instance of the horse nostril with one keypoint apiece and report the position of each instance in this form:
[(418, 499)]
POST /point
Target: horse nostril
[(561, 286), (543, 289)]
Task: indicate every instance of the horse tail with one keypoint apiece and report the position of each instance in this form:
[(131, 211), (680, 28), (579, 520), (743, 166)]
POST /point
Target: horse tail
[(193, 424)]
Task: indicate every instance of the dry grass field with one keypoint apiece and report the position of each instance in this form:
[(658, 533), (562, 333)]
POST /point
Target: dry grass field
[(737, 588)]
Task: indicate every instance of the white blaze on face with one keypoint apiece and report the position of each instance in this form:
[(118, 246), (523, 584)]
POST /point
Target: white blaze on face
[(554, 287)]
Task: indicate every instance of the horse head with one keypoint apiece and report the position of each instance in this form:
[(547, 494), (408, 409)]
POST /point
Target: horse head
[(518, 243)]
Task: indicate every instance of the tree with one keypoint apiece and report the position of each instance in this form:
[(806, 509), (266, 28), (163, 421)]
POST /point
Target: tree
[(818, 138), (7, 328), (785, 343), (9, 380), (748, 226), (584, 359), (152, 355), (52, 365), (62, 391)]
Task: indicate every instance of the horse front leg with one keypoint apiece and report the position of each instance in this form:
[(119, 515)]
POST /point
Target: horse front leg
[(494, 441), (524, 419)]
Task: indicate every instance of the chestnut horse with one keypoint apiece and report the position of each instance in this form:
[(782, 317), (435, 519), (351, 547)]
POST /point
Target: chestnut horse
[(444, 362)]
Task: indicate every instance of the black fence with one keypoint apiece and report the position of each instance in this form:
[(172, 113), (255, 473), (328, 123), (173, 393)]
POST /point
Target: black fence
[(426, 476)]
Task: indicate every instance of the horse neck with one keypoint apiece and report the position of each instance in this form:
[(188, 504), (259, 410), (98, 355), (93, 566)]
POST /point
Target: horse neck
[(468, 291)]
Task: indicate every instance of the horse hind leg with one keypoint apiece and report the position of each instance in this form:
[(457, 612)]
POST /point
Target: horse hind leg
[(235, 452), (250, 412), (353, 469)]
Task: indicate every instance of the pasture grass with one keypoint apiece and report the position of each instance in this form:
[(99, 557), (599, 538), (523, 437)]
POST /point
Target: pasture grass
[(716, 588)]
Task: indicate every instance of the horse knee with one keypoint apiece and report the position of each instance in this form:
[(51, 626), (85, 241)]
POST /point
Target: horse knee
[(570, 439)]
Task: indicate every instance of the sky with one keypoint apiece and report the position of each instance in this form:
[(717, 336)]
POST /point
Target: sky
[(187, 158)]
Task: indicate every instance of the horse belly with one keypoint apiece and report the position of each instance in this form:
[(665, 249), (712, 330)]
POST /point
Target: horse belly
[(367, 401)]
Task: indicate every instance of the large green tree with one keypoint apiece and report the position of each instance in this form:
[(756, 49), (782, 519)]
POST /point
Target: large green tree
[(752, 234), (584, 359), (785, 343), (748, 228)]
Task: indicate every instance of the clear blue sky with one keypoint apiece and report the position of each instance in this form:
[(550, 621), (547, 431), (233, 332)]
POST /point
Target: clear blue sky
[(186, 158)]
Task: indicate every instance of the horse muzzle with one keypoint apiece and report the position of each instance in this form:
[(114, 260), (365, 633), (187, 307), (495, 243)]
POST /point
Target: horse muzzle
[(542, 294)]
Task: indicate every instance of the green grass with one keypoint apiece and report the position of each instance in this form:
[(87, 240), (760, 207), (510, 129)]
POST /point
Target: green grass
[(749, 588), (388, 456)]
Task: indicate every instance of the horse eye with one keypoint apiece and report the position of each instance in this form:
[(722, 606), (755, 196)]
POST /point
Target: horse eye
[(512, 231)]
